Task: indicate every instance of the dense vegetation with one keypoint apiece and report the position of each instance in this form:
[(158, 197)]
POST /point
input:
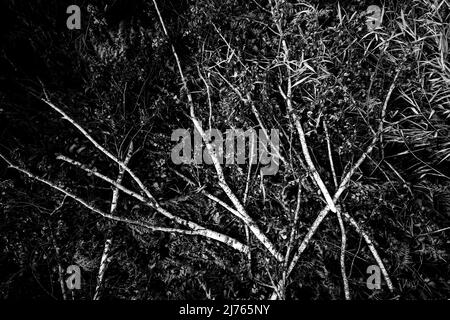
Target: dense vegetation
[(310, 69)]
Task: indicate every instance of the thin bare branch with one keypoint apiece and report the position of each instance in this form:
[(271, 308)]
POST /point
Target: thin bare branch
[(342, 255), (105, 259), (330, 157)]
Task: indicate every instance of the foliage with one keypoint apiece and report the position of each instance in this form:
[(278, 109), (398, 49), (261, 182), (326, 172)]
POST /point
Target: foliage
[(117, 78)]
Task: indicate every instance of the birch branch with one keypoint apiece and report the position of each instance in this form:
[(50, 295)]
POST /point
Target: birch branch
[(282, 286), (372, 249), (223, 204), (60, 268), (342, 255), (108, 243), (247, 230), (61, 271)]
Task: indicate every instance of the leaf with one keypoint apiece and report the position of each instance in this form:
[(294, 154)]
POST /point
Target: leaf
[(300, 81), (340, 13)]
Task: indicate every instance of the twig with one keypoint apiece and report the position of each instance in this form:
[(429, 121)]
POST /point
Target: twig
[(294, 225), (208, 93), (57, 254), (383, 112), (435, 231), (247, 231), (263, 128), (372, 249), (289, 247), (330, 157)]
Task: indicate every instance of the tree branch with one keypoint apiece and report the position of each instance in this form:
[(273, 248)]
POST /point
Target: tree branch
[(105, 259)]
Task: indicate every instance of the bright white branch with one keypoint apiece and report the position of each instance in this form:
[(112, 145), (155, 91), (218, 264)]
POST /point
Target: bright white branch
[(104, 261)]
